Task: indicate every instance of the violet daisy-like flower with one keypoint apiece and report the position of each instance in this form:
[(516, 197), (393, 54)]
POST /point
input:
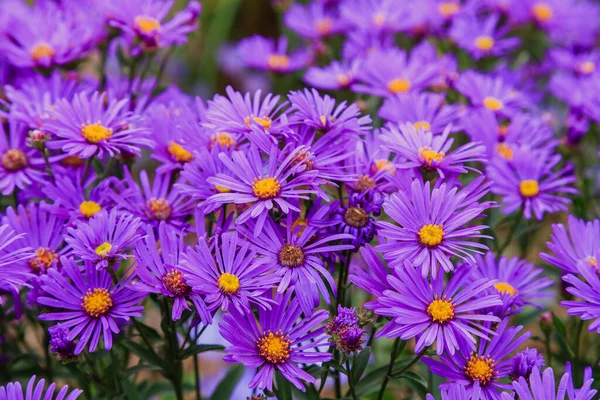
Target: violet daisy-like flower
[(335, 76), (60, 345), (228, 275), (582, 64), (524, 362), (313, 21), (279, 341), (13, 274), (378, 16), (447, 314), (90, 305), (423, 110), (90, 125), (531, 182), (456, 391), (587, 291), (423, 151), (261, 185), (105, 238), (485, 367), (518, 282), (482, 37), (372, 278), (33, 391), (433, 225), (292, 252), (266, 54), (159, 271), (578, 241)]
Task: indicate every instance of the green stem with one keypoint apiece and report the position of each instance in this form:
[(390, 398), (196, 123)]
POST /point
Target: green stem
[(86, 170), (198, 380), (548, 349), (48, 356), (350, 379), (390, 368), (48, 167), (410, 364), (173, 349), (511, 233)]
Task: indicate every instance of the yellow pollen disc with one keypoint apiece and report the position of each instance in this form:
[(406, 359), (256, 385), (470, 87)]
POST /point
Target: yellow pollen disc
[(430, 156), (484, 43), (504, 151), (175, 284), (365, 182), (274, 347), (89, 208), (529, 188), (480, 368), (542, 12), (222, 189), (592, 261), (440, 310), (14, 160), (587, 67), (278, 62), (344, 80), (323, 120), (265, 122), (42, 50), (399, 85), (95, 133), (431, 235), (505, 287), (422, 125), (323, 26), (103, 249), (44, 258), (147, 24), (267, 188), (449, 8), (97, 302), (160, 208), (384, 165), (379, 19), (228, 283), (493, 103), (224, 139), (179, 153)]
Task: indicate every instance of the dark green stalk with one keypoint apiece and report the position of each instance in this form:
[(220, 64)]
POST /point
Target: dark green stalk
[(350, 379), (390, 368)]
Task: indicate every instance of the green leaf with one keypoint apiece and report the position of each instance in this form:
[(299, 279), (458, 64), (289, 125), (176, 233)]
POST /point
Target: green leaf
[(130, 389), (150, 333), (140, 368), (559, 326), (228, 383), (372, 381), (199, 348), (360, 364), (416, 382), (284, 391), (144, 353)]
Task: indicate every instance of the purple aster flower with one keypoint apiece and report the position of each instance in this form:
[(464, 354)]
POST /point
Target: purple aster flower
[(266, 54), (33, 391), (153, 203), (529, 181), (278, 341), (292, 252), (482, 37), (421, 150), (372, 278), (518, 282), (588, 293), (105, 238), (456, 391), (542, 386), (228, 274), (580, 242), (91, 305), (423, 110), (391, 72), (347, 317), (379, 16), (261, 185), (159, 271), (432, 225), (335, 76), (447, 314), (313, 21), (60, 345), (145, 21), (20, 165), (582, 64), (87, 126), (524, 362), (13, 274), (485, 367)]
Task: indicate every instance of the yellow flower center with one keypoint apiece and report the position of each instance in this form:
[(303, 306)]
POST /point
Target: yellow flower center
[(356, 217), (44, 258), (228, 283), (103, 249), (384, 165), (160, 208), (323, 26), (440, 310), (14, 160), (484, 43), (480, 368), (542, 12), (95, 133), (274, 347), (344, 79), (430, 156), (291, 255), (449, 8), (504, 151), (224, 139), (587, 67), (278, 62), (431, 235), (365, 182), (379, 19), (592, 261), (529, 188), (222, 189), (42, 50), (426, 126), (173, 281), (505, 287), (493, 103), (89, 208), (146, 24), (97, 302), (399, 85), (179, 153), (267, 188), (265, 122)]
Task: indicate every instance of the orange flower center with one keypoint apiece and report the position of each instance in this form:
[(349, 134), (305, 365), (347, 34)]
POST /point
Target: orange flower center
[(42, 50), (95, 133), (146, 24), (14, 160), (399, 85), (173, 281), (179, 153), (44, 258), (480, 368), (97, 302), (267, 188), (160, 208), (274, 347)]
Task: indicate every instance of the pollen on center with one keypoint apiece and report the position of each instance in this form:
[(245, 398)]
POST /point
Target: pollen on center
[(95, 133), (484, 43), (275, 347), (89, 208), (266, 188), (441, 310), (529, 188), (493, 103), (399, 85), (97, 302), (104, 249), (228, 283), (431, 235)]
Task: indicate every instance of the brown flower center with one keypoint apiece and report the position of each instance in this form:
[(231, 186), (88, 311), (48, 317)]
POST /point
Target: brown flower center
[(356, 217), (291, 255), (14, 160)]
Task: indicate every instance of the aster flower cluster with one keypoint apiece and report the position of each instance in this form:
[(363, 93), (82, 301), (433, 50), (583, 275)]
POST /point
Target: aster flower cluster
[(354, 207)]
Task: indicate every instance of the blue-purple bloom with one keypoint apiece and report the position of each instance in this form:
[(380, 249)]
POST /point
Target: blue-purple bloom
[(33, 391), (60, 345), (12, 276), (482, 37), (587, 293), (269, 55), (524, 362), (335, 76), (313, 21), (542, 386)]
